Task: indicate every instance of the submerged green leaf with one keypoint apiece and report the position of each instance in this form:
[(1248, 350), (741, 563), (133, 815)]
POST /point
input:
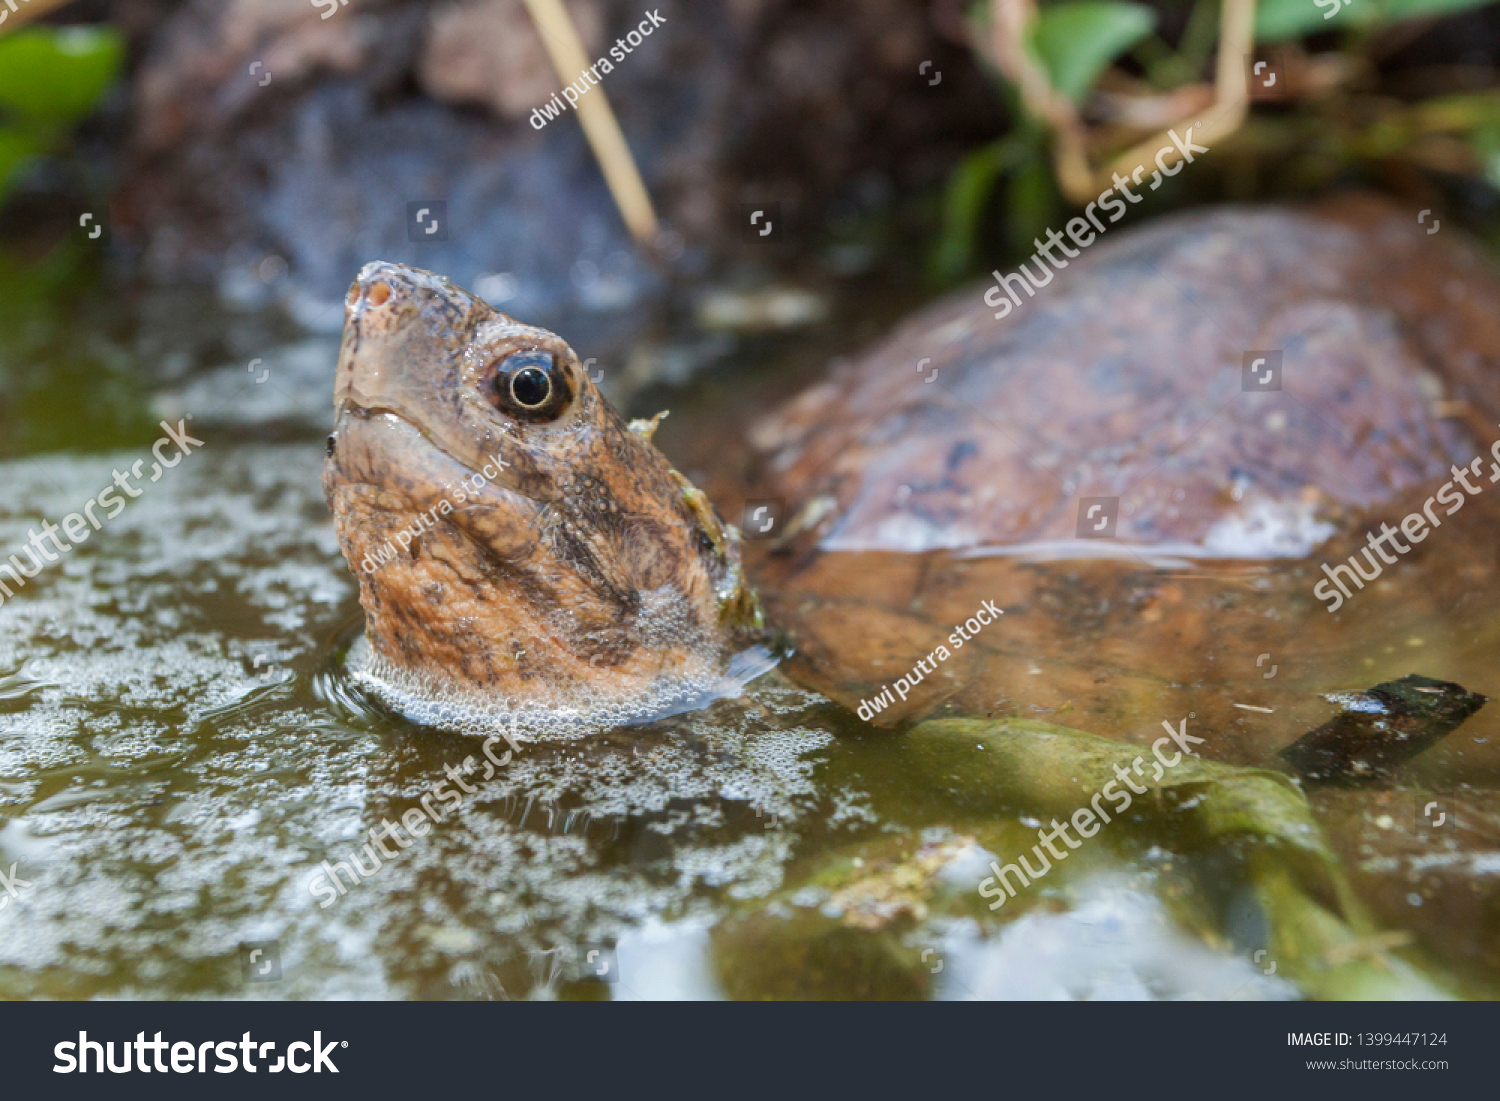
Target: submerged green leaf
[(1057, 769)]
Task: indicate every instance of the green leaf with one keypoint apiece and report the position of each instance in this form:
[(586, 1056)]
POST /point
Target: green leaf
[(1486, 142), (16, 147), (1280, 20), (969, 188), (1076, 41), (57, 74), (1031, 203), (1318, 932)]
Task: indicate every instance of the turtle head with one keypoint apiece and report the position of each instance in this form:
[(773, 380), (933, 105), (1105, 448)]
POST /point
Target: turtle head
[(514, 539)]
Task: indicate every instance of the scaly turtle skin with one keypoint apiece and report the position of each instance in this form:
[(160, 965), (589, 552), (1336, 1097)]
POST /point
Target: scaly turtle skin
[(953, 463), (518, 546)]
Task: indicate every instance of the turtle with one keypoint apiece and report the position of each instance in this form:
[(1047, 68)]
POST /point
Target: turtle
[(1105, 493), (518, 545)]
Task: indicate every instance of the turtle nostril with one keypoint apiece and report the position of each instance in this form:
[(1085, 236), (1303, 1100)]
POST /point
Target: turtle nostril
[(379, 293), (352, 298)]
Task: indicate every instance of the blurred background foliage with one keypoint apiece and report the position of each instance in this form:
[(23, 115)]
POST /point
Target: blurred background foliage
[(51, 78), (1340, 115), (233, 208), (1343, 114)]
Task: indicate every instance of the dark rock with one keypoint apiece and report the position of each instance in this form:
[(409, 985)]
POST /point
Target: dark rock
[(388, 103), (1381, 728)]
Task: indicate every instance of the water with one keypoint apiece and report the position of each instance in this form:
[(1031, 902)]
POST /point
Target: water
[(182, 748)]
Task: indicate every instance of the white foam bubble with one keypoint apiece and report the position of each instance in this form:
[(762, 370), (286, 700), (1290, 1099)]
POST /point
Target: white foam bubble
[(1265, 528), (450, 705)]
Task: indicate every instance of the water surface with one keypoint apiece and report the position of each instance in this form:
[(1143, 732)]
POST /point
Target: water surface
[(181, 748)]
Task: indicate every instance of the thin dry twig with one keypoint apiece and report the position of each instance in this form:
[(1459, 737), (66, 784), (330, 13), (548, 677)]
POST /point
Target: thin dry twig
[(34, 9), (1231, 91), (1011, 23), (597, 118)]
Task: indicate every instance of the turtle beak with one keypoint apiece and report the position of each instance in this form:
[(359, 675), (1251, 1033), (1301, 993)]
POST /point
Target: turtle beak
[(398, 321)]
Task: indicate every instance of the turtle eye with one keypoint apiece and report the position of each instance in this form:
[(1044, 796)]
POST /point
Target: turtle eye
[(531, 386)]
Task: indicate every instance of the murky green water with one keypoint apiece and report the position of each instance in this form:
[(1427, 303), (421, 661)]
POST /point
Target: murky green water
[(180, 753)]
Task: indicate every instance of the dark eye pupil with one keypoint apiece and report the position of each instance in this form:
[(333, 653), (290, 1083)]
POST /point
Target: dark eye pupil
[(531, 387)]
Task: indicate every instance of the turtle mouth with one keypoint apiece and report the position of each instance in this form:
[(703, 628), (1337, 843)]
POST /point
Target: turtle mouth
[(381, 449)]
